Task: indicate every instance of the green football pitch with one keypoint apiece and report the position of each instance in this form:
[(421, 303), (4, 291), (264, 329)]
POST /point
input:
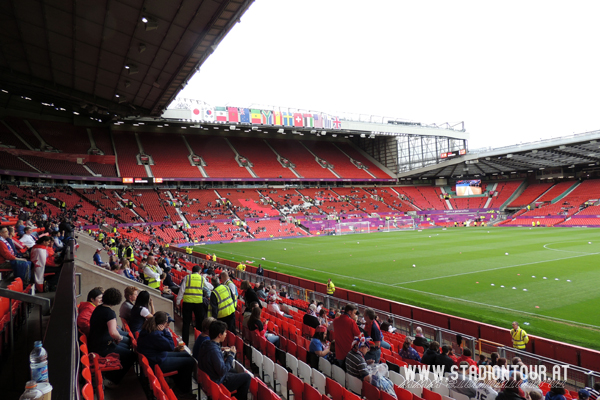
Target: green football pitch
[(547, 277)]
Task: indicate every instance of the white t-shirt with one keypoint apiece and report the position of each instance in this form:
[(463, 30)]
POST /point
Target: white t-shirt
[(485, 392)]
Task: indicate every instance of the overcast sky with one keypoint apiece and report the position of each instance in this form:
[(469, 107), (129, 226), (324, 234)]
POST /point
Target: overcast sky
[(513, 71)]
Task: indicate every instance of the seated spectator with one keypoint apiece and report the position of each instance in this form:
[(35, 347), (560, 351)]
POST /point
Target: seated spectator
[(511, 389), (583, 394), (98, 260), (483, 360), (310, 318), (42, 260), (557, 392), (594, 392), (27, 239), (105, 338), (356, 365), (494, 359), (8, 257), (408, 352), (86, 308), (486, 387), (466, 356), (273, 306), (256, 327), (461, 381), (217, 362), (431, 354), (204, 335), (131, 294), (260, 292), (420, 340), (156, 343), (143, 309), (318, 344), (501, 370)]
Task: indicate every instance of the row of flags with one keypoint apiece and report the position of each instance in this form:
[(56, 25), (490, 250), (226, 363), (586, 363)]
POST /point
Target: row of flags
[(266, 117)]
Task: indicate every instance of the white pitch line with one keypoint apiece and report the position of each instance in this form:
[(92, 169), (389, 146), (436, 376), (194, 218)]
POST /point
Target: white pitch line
[(493, 269), (435, 294), (564, 251)]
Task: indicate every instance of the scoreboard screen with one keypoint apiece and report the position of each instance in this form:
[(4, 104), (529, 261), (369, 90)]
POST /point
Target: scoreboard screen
[(452, 154), (468, 187)]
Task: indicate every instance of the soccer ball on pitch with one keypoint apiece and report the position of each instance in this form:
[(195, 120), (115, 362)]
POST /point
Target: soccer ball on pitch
[(414, 266), (505, 254), (284, 248)]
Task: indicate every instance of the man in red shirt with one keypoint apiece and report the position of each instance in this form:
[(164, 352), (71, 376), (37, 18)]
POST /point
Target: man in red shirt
[(466, 356), (345, 329)]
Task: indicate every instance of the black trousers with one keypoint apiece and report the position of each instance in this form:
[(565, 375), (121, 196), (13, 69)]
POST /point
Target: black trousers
[(187, 309), (230, 321)]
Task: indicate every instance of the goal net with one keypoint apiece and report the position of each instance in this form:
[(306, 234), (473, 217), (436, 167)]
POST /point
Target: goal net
[(399, 225), (347, 228)]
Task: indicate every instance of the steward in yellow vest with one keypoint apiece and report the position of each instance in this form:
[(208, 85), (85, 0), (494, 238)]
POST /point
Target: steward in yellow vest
[(152, 281), (519, 336), (222, 306), (192, 301), (330, 288)]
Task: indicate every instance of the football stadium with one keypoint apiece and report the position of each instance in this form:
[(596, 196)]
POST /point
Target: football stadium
[(269, 252)]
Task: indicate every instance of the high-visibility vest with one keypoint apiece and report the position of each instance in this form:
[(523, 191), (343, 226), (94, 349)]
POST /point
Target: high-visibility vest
[(153, 283), (188, 250), (330, 288), (132, 256), (225, 306), (214, 258), (101, 236), (519, 337), (193, 289), (115, 250)]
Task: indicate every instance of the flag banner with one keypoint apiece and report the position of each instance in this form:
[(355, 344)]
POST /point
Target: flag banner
[(288, 119), (298, 121), (244, 115), (326, 121), (233, 114), (221, 114), (272, 117), (308, 121), (208, 114), (336, 123), (255, 116), (267, 117), (318, 121)]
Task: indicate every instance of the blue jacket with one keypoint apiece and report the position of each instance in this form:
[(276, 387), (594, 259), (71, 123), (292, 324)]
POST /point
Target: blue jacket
[(155, 345), (212, 361)]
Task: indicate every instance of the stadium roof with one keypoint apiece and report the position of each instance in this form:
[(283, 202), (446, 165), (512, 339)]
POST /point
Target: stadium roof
[(127, 57), (572, 153)]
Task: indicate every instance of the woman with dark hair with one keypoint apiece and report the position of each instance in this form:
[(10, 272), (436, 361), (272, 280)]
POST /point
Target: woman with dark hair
[(408, 352), (318, 344), (142, 310), (249, 295), (494, 358), (156, 343), (86, 308), (105, 338), (256, 326)]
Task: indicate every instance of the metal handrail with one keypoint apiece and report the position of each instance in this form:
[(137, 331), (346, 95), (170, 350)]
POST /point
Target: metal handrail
[(29, 299)]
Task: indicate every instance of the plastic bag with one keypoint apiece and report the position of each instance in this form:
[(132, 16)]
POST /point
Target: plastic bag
[(378, 374)]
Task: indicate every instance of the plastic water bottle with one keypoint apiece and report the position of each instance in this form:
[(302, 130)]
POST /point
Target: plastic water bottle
[(38, 362), (31, 391)]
